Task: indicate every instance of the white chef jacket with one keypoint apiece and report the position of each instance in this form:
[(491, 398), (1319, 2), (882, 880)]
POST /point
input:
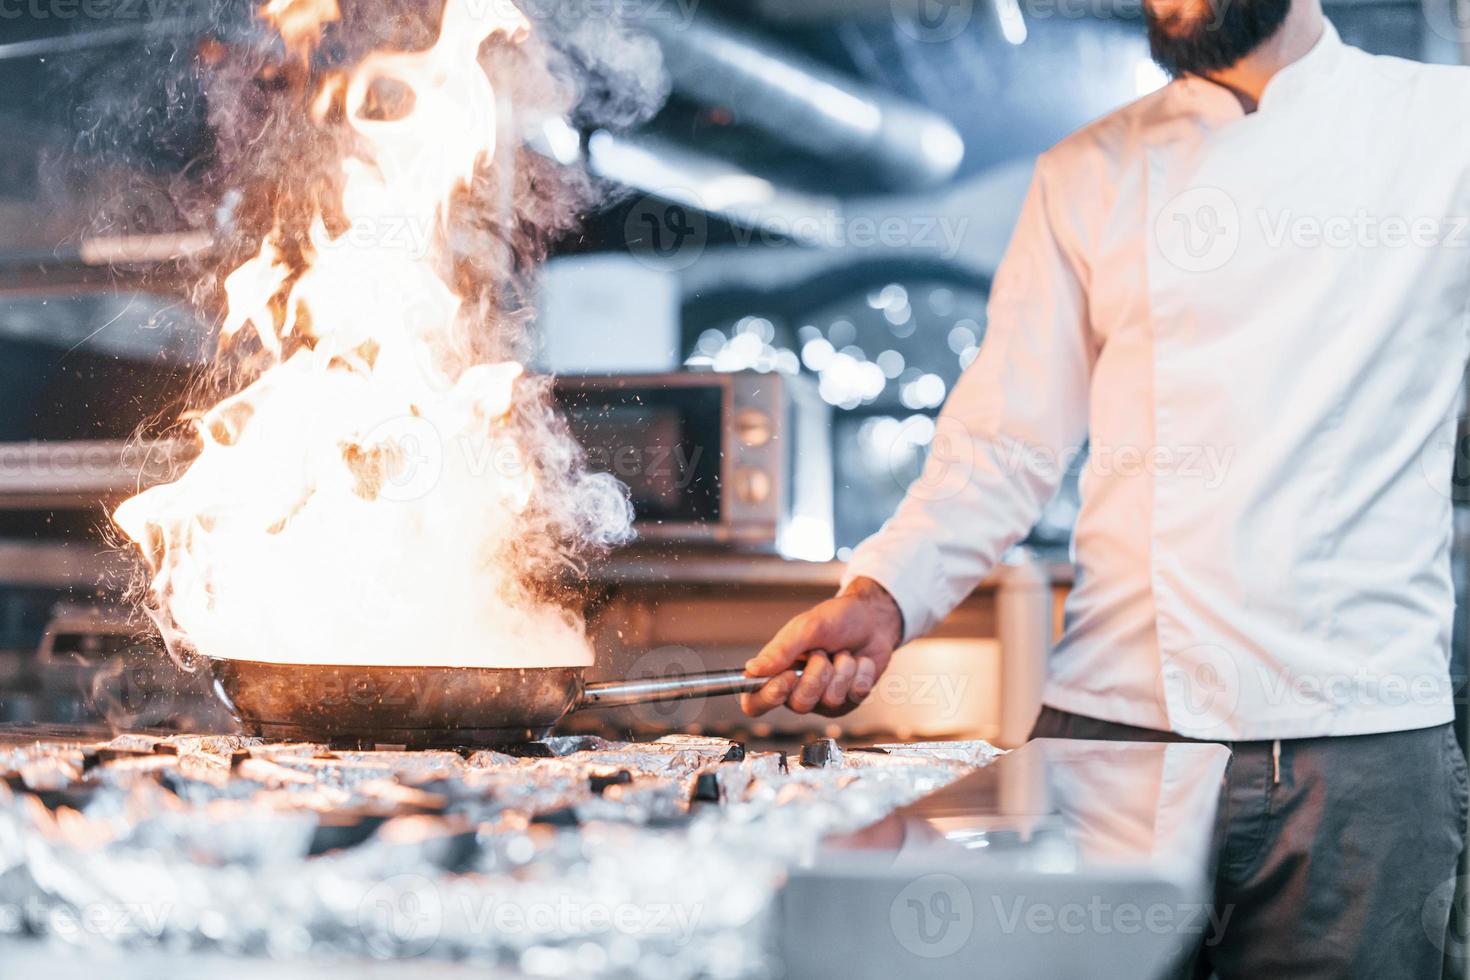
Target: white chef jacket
[(1258, 322)]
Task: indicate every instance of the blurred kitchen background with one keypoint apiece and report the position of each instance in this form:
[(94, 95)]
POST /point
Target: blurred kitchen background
[(755, 333)]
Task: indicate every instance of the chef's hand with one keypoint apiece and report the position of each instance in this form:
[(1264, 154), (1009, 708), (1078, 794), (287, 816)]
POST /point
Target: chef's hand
[(846, 643)]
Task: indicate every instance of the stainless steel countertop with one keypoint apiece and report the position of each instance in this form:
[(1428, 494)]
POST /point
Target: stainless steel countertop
[(1063, 858)]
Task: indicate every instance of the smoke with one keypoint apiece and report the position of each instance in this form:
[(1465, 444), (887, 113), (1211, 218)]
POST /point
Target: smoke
[(615, 69), (251, 554), (200, 127)]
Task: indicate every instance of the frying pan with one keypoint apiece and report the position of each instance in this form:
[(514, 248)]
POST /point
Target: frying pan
[(435, 707)]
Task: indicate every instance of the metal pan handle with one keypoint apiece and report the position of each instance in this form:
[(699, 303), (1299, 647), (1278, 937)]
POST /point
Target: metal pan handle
[(616, 694)]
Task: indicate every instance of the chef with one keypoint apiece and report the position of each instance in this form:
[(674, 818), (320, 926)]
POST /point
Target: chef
[(1265, 263)]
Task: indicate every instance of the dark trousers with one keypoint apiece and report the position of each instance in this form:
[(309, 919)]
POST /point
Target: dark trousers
[(1338, 860)]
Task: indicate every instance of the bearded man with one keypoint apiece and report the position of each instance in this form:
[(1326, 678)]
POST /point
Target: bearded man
[(1264, 259)]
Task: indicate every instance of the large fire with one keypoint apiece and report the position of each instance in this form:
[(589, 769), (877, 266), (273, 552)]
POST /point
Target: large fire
[(363, 499)]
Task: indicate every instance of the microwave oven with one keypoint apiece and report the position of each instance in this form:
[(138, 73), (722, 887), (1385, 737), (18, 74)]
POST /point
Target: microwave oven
[(742, 461), (739, 460)]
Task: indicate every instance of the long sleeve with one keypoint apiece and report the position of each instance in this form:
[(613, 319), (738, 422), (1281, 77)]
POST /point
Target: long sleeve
[(1003, 440)]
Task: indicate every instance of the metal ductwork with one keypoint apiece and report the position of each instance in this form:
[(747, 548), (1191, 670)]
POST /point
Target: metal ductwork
[(713, 185), (805, 104)]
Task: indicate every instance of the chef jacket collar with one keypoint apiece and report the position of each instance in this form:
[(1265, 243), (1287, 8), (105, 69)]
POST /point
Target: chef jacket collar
[(1317, 63)]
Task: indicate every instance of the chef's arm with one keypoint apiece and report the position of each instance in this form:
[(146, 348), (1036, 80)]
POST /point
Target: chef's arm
[(1015, 419)]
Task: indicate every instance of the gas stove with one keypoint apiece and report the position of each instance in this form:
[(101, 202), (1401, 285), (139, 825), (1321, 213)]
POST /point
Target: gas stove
[(568, 856)]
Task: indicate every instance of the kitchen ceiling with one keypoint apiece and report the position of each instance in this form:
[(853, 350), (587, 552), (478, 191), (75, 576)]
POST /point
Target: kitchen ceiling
[(1010, 87)]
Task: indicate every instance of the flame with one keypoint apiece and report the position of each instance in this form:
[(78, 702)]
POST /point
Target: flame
[(355, 504), (300, 22)]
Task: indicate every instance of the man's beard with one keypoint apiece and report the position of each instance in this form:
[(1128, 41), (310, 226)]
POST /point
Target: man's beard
[(1219, 39)]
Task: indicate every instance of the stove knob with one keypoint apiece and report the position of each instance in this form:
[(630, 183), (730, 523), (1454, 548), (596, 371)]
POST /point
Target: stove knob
[(752, 486)]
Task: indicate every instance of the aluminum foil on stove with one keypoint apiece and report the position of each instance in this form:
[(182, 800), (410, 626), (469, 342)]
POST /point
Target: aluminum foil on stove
[(571, 857)]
